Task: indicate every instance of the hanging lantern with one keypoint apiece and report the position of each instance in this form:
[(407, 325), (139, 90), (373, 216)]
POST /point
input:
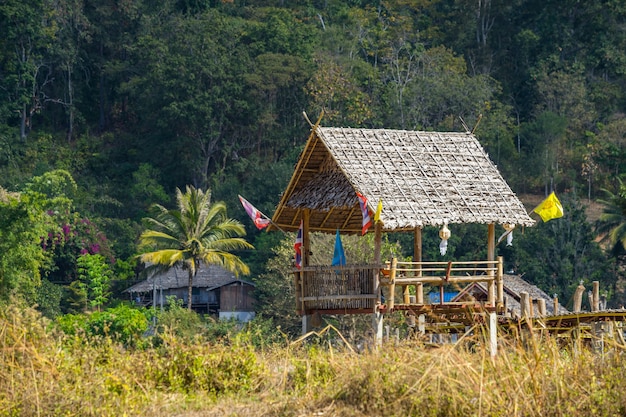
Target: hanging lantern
[(509, 230), (444, 234)]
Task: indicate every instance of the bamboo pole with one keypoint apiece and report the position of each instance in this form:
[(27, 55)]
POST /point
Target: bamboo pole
[(392, 285), (378, 233), (541, 307), (500, 282), (555, 305), (377, 316), (491, 242), (524, 304), (578, 297), (491, 256), (417, 257)]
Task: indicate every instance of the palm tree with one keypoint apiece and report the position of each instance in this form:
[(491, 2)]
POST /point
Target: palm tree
[(196, 232), (612, 222)]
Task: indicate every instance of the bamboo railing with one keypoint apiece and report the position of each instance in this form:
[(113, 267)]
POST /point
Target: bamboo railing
[(442, 274), (336, 288), (351, 289)]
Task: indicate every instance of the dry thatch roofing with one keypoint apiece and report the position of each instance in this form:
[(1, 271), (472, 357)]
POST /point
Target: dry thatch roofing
[(422, 179), (209, 277)]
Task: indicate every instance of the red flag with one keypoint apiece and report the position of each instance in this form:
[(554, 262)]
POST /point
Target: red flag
[(298, 247), (367, 221), (259, 219)]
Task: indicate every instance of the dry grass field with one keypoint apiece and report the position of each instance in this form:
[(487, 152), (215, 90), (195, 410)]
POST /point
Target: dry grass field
[(44, 373)]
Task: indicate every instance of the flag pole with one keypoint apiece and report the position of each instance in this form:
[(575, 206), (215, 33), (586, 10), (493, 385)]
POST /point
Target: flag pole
[(248, 206), (271, 222)]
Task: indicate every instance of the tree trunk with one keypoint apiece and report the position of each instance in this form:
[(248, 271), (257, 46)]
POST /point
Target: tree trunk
[(189, 290)]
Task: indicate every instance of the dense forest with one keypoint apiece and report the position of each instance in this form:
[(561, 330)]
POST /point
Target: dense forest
[(107, 107)]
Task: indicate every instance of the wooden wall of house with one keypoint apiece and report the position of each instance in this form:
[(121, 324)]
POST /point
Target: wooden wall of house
[(236, 297)]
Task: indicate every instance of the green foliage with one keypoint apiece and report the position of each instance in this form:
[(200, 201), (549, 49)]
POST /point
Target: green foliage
[(221, 86), (123, 323), (48, 299), (560, 253), (146, 188), (178, 321), (95, 275), (75, 301), (70, 237), (611, 225), (22, 224)]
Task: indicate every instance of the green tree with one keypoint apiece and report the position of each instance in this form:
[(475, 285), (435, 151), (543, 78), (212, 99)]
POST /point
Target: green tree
[(611, 225), (558, 254), (22, 225), (26, 33), (197, 232)]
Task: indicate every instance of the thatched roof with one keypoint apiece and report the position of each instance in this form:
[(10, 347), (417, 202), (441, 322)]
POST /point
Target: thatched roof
[(422, 178), (514, 285), (208, 277)]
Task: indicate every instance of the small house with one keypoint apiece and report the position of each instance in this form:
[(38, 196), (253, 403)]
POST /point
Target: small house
[(215, 291)]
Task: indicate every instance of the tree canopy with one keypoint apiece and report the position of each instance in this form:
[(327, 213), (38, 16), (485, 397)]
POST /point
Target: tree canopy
[(137, 99)]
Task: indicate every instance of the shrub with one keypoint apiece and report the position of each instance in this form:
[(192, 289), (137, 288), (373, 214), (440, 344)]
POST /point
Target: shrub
[(122, 323)]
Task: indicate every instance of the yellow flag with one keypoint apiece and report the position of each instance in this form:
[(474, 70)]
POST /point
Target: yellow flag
[(550, 208), (379, 209)]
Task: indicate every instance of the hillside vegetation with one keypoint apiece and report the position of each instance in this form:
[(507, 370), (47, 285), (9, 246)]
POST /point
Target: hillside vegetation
[(107, 108)]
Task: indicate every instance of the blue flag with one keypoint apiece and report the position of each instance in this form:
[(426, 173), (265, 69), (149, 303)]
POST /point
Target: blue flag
[(339, 257)]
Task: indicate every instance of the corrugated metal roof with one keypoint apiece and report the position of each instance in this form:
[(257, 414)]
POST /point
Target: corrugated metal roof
[(422, 179)]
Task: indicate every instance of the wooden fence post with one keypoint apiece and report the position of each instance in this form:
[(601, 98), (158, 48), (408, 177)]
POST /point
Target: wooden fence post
[(578, 297)]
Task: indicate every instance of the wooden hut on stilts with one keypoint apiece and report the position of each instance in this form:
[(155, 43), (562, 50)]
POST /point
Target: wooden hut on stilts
[(422, 179)]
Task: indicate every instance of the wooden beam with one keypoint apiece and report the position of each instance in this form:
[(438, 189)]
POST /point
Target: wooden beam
[(377, 261), (417, 257)]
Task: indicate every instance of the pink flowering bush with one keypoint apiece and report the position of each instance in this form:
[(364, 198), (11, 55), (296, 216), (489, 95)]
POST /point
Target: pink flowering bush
[(69, 237)]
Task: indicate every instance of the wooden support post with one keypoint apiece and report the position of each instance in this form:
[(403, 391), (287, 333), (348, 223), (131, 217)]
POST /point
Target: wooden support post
[(492, 293), (555, 305), (306, 323), (491, 242), (421, 323), (578, 297), (491, 256), (306, 239), (417, 257), (524, 304), (406, 294), (298, 289), (392, 285), (596, 296), (306, 250), (493, 334), (500, 283), (541, 307), (377, 316), (377, 326)]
